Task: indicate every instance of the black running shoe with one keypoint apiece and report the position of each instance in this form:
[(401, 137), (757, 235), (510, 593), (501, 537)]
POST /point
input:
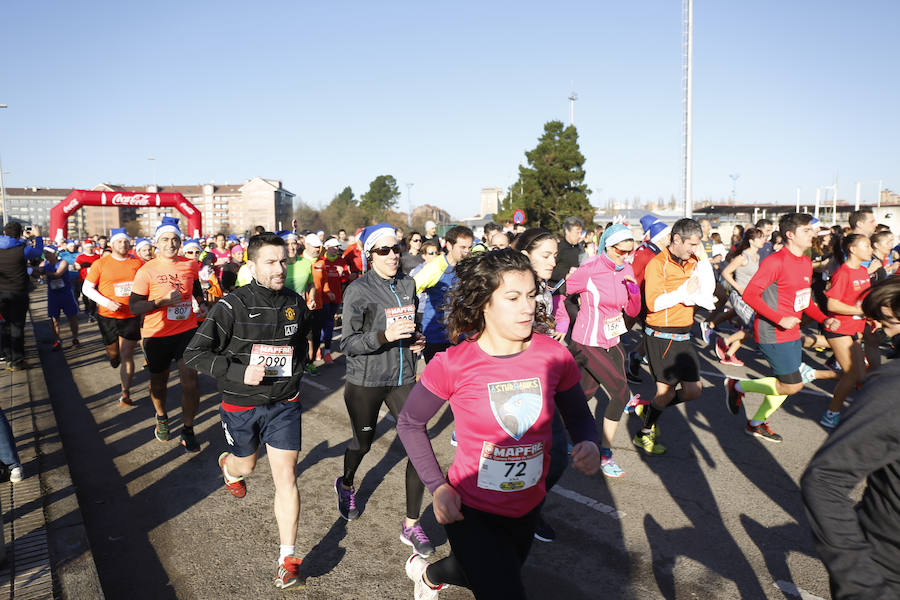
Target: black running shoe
[(763, 431), (543, 531), (733, 397), (346, 500)]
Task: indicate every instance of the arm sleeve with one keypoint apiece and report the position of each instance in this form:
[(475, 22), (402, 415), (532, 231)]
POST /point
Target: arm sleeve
[(36, 251), (576, 415), (814, 312), (763, 278), (421, 405), (356, 341), (204, 351), (91, 291), (867, 440)]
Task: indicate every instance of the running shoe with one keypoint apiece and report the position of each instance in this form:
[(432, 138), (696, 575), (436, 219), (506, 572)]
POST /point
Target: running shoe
[(415, 570), (705, 331), (16, 474), (76, 343), (125, 400), (734, 360), (830, 421), (833, 364), (162, 429), (327, 357), (319, 354), (733, 397), (115, 362), (721, 349), (287, 575), (346, 500), (634, 404), (237, 488), (648, 444), (416, 537), (311, 370), (807, 373), (610, 468), (543, 531), (189, 441), (57, 345), (633, 371), (453, 441), (19, 365), (762, 431)]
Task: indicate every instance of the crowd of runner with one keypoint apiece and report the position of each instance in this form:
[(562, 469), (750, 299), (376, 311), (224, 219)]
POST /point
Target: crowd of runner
[(518, 328)]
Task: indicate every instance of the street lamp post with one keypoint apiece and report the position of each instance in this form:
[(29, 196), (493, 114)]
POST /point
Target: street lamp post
[(409, 200), (2, 188), (155, 187)]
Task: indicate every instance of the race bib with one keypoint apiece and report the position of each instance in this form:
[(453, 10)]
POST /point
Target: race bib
[(510, 468), (614, 327), (178, 312), (57, 284), (801, 300), (122, 288), (278, 360), (397, 313)]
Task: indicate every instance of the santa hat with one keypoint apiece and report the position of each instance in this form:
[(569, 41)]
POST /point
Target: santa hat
[(372, 234), (168, 225), (191, 244), (117, 233)]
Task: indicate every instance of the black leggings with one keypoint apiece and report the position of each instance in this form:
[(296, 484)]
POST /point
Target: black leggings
[(487, 552), (363, 404), (606, 368)]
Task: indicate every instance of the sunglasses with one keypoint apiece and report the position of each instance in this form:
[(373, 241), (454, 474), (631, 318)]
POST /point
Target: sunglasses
[(431, 254), (415, 240), (192, 252), (385, 250), (621, 252)]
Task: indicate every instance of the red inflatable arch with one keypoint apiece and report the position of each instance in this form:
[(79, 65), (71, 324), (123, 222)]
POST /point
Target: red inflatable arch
[(59, 214)]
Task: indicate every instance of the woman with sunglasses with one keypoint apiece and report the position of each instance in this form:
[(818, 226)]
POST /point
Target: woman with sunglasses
[(412, 256), (605, 286), (379, 342), (503, 383)]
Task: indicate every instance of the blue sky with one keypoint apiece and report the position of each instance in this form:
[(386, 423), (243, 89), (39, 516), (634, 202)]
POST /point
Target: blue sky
[(448, 97)]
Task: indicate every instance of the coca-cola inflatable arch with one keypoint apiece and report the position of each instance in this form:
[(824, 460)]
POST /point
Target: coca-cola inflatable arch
[(59, 214)]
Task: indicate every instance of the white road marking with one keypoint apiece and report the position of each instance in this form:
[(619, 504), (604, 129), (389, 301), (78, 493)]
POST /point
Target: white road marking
[(589, 502), (315, 384), (789, 588)]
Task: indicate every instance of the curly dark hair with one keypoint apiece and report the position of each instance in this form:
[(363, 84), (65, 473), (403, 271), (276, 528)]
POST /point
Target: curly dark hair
[(479, 276)]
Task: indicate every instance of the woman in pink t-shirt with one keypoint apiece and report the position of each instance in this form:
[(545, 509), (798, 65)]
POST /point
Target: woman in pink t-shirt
[(503, 383)]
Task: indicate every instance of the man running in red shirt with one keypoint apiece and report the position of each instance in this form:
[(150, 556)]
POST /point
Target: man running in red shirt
[(780, 294)]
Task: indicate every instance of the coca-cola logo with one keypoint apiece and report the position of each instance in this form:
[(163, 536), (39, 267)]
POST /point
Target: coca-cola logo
[(186, 208), (133, 200), (72, 205)]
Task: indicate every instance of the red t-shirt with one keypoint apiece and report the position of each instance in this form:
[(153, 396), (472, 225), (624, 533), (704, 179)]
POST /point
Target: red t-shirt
[(503, 408), (848, 286), (639, 263), (85, 261), (781, 288)]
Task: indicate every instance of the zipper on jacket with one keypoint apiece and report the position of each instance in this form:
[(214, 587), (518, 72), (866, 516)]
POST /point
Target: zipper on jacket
[(400, 346)]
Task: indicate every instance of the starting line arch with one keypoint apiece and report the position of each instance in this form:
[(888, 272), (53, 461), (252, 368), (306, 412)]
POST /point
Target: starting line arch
[(59, 214)]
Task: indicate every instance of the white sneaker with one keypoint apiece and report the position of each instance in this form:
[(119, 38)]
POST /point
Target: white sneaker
[(16, 474), (415, 570)]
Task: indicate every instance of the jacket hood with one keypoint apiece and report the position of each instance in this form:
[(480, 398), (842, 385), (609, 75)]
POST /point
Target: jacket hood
[(7, 242)]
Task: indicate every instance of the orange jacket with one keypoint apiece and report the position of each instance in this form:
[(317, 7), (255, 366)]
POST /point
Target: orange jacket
[(664, 275)]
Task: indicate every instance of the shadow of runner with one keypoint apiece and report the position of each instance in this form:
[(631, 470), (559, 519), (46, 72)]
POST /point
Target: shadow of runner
[(328, 553), (775, 543)]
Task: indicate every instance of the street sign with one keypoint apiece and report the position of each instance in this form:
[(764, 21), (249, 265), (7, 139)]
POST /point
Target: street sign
[(519, 217)]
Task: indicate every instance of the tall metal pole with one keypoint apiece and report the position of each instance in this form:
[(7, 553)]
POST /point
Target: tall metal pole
[(818, 200), (734, 178), (858, 192), (879, 193), (572, 98), (409, 200), (688, 9), (2, 188), (155, 186), (834, 204), (798, 199)]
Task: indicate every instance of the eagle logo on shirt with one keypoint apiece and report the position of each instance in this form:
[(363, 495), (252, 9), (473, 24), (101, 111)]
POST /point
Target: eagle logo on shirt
[(516, 404), (289, 313)]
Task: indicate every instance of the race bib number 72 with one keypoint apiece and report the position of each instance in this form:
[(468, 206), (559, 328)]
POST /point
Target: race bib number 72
[(510, 468)]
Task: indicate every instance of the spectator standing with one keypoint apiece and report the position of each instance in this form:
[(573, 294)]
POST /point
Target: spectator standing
[(14, 255)]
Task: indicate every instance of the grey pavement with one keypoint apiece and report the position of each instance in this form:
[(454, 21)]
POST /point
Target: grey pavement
[(718, 516)]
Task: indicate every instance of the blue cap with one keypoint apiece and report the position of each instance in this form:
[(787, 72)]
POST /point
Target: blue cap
[(647, 222), (168, 225), (140, 242), (373, 233), (191, 243)]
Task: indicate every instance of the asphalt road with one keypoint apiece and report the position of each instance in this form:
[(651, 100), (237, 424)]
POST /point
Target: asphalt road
[(718, 516)]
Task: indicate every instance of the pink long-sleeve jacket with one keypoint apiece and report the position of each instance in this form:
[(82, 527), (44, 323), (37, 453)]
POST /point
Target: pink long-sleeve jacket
[(604, 294)]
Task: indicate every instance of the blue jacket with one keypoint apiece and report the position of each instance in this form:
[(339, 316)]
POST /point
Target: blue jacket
[(31, 252)]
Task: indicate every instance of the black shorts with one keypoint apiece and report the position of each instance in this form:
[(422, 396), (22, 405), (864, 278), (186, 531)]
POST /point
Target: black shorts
[(672, 361), (276, 425), (161, 351), (830, 335), (113, 329)]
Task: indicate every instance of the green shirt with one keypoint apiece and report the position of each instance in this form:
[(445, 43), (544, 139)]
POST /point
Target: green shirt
[(299, 275)]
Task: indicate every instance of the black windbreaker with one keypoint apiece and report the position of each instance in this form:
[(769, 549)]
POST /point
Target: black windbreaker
[(224, 343), (860, 545)]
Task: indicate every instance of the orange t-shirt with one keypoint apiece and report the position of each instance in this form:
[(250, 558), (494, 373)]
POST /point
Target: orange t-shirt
[(156, 279), (114, 279)]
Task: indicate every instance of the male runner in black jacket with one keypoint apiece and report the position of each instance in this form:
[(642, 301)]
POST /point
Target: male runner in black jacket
[(249, 344)]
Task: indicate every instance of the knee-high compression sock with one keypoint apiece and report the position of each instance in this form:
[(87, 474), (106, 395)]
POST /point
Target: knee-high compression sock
[(678, 399), (766, 386), (651, 416), (770, 404)]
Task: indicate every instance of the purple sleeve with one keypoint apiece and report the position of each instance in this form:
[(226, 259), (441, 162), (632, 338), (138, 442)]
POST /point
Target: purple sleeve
[(421, 405), (576, 415)]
